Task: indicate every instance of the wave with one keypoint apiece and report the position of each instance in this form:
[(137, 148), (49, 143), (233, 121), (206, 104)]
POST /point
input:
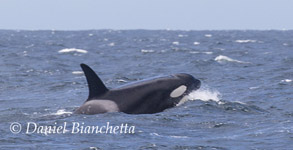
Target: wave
[(208, 35), (182, 35), (222, 58), (68, 50), (196, 43), (147, 51), (245, 41), (175, 43), (77, 72), (111, 44), (286, 80), (197, 52), (169, 136), (62, 112), (213, 101)]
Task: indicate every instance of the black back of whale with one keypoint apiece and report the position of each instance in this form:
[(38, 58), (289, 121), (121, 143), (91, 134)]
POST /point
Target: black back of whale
[(147, 96)]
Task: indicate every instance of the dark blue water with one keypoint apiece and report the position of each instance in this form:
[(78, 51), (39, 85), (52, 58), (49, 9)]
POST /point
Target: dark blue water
[(245, 102)]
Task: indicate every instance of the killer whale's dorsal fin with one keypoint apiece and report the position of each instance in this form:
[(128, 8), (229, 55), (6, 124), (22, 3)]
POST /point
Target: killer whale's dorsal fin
[(95, 84)]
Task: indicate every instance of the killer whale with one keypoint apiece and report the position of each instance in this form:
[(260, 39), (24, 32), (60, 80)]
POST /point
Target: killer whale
[(142, 97)]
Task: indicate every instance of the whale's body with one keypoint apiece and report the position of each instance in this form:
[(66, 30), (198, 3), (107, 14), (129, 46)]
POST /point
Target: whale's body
[(142, 97)]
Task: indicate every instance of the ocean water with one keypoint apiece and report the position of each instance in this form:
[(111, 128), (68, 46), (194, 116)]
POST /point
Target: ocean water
[(245, 102)]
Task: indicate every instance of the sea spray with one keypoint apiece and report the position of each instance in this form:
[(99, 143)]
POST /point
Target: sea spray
[(203, 94)]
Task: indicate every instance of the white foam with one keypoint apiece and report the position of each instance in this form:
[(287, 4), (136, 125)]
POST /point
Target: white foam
[(196, 43), (155, 134), (205, 94), (121, 80), (221, 49), (254, 87), (267, 53), (147, 51), (176, 43), (245, 41), (208, 53), (242, 103), (222, 58), (62, 112), (208, 35), (77, 72), (196, 52), (68, 50), (286, 80), (111, 44), (179, 137), (94, 148), (172, 136), (181, 35)]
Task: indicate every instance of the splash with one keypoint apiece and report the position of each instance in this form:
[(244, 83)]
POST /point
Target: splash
[(203, 94)]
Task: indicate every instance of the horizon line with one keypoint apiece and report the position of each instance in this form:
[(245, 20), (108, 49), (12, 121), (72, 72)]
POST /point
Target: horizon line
[(167, 29)]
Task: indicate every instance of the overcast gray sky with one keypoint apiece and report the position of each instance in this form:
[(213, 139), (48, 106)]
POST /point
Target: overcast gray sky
[(146, 14)]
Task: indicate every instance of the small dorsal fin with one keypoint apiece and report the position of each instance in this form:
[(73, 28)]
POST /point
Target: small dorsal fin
[(95, 84)]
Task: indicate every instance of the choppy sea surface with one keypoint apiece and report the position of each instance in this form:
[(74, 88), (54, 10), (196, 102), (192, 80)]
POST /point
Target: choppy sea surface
[(245, 102)]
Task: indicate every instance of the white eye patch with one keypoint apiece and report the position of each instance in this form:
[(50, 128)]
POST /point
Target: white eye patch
[(178, 91)]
